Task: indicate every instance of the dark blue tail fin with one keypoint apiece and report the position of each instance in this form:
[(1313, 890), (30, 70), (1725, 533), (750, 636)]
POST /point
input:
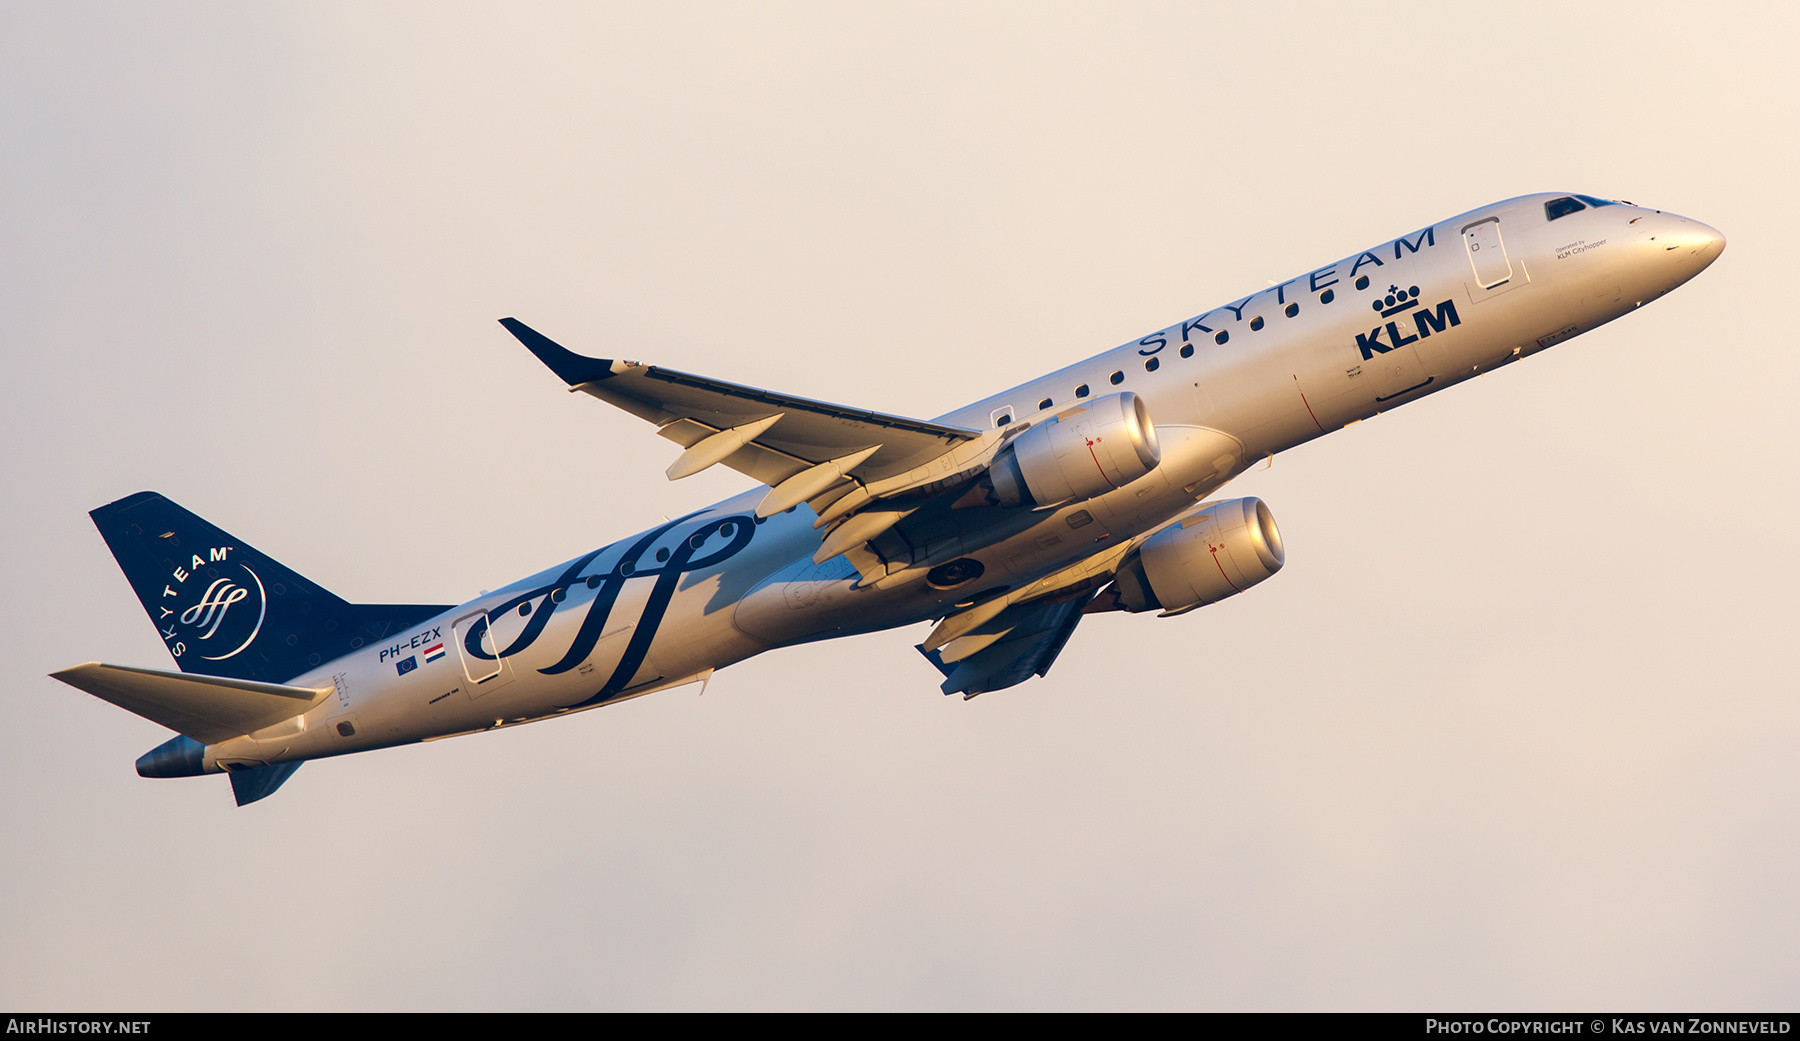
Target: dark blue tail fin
[(260, 782), (224, 609)]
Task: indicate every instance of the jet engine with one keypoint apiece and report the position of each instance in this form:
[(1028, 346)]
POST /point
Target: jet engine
[(1083, 452), (1219, 550)]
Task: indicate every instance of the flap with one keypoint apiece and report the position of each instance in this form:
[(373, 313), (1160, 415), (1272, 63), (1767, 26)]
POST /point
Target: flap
[(206, 708), (688, 409), (1033, 636)]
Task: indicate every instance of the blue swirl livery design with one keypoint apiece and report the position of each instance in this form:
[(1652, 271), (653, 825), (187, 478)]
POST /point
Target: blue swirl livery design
[(1002, 523)]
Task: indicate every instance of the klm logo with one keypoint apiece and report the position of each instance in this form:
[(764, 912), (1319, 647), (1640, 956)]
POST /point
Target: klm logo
[(1425, 321)]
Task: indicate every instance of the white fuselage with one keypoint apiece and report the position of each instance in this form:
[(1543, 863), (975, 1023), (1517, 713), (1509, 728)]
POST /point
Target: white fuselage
[(1257, 376)]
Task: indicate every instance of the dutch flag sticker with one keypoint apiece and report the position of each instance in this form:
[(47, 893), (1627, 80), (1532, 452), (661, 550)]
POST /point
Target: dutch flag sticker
[(433, 653)]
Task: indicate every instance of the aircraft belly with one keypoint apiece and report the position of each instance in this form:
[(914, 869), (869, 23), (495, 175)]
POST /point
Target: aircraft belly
[(801, 600), (1195, 462), (806, 601), (698, 635)]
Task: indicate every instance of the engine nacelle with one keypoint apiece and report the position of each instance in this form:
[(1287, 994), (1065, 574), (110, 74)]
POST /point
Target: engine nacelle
[(1218, 551), (1107, 444)]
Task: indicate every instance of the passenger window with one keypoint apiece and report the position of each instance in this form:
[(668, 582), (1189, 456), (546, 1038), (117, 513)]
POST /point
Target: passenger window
[(1150, 365), (1117, 377), (1562, 207), (1187, 350), (1221, 337), (1081, 391), (1256, 324), (1292, 310), (1044, 404)]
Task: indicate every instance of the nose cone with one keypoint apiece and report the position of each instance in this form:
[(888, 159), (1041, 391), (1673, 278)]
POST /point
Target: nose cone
[(1668, 249), (1712, 244), (1689, 243), (1697, 241)]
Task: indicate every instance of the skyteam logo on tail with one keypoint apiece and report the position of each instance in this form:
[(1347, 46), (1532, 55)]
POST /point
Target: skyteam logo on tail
[(212, 606)]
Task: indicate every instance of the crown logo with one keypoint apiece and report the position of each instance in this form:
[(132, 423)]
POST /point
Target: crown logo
[(1396, 300)]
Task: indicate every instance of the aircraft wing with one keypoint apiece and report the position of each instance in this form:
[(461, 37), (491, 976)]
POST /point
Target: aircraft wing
[(1029, 638), (804, 450)]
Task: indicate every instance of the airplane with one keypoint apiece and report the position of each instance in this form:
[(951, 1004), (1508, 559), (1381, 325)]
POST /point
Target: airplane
[(1005, 522)]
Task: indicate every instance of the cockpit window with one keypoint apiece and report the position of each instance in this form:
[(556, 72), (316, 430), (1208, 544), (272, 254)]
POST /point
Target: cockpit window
[(1561, 207), (1591, 201)]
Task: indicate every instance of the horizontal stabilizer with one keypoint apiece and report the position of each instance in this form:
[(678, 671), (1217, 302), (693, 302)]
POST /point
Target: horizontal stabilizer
[(208, 709)]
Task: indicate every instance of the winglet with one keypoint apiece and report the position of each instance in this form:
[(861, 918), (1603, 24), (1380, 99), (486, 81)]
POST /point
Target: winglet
[(573, 368)]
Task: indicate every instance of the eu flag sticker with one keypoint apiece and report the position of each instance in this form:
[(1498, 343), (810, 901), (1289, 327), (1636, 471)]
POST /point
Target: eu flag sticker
[(407, 664)]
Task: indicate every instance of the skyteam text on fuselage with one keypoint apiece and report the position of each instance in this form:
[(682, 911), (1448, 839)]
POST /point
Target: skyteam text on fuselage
[(1005, 521)]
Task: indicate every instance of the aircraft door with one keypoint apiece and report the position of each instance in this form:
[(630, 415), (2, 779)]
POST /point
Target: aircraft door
[(477, 637), (1487, 253)]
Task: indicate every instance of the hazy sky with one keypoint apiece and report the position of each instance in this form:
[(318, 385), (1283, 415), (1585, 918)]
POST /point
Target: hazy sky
[(1515, 728)]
